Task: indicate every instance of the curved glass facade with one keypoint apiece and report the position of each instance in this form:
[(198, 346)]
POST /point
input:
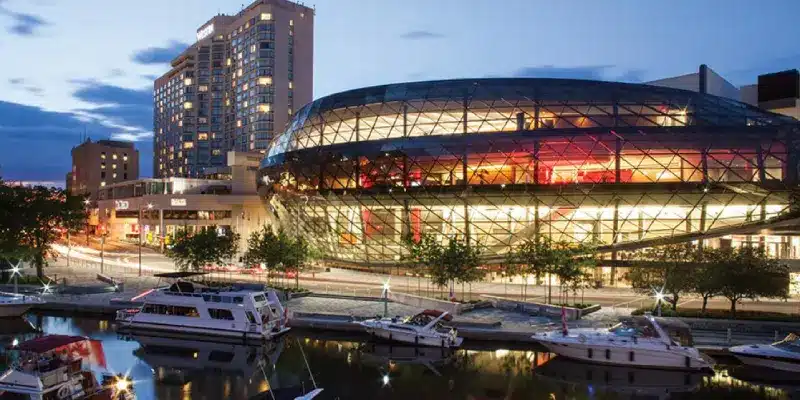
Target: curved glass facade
[(501, 160)]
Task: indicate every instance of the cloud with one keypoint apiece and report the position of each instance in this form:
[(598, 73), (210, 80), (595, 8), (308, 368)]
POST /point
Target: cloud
[(22, 24), (149, 77), (116, 73), (421, 35), (159, 55), (592, 72), (37, 143), (129, 110), (16, 81), (35, 90)]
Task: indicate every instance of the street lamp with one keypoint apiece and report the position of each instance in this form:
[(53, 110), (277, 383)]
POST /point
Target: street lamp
[(14, 273), (659, 295), (86, 203), (386, 299), (141, 231)]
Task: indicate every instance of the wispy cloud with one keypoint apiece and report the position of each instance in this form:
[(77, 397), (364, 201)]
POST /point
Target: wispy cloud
[(22, 24), (159, 55), (591, 72), (421, 35)]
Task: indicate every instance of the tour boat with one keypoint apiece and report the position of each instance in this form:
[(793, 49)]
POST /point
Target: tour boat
[(783, 355), (15, 305), (193, 309), (52, 367), (423, 329), (638, 342)]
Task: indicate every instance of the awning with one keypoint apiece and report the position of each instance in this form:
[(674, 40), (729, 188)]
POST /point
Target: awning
[(48, 343)]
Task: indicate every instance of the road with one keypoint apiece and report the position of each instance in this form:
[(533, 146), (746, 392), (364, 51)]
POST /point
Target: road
[(123, 262)]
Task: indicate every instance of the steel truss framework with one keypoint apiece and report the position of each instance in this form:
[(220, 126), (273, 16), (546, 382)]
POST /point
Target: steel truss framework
[(502, 160)]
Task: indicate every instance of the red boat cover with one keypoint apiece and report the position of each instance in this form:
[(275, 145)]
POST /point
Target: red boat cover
[(49, 343), (437, 313)]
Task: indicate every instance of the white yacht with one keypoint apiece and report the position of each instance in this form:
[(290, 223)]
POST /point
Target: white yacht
[(423, 329), (783, 355), (192, 309), (53, 367), (637, 342), (15, 305)]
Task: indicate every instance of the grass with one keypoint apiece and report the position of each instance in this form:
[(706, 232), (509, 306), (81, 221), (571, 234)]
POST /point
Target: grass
[(744, 315)]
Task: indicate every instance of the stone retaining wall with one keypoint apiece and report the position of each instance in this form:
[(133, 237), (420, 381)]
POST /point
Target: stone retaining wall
[(428, 303), (539, 308)]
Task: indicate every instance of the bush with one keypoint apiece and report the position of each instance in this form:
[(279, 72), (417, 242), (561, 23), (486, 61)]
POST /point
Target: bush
[(722, 314)]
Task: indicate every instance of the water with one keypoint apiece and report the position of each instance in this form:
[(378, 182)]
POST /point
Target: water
[(174, 368)]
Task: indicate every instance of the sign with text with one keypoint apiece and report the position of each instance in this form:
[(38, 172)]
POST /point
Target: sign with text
[(205, 32), (121, 204), (177, 202)]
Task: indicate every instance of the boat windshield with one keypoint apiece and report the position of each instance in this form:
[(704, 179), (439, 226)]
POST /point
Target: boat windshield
[(634, 328), (790, 343)]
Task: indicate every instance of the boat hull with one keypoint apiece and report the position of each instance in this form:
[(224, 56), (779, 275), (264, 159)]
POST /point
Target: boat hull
[(188, 331), (415, 338), (674, 359), (768, 362), (14, 310)]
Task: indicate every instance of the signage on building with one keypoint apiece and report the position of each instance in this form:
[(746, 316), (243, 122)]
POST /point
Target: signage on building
[(121, 204), (177, 202), (205, 32)]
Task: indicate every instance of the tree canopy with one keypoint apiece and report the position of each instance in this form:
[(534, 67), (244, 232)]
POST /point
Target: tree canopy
[(455, 261), (32, 219), (191, 252), (278, 252)]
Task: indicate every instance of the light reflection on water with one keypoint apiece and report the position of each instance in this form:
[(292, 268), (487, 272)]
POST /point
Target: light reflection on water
[(164, 368)]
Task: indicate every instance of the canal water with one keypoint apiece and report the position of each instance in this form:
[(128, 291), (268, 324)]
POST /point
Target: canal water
[(174, 368)]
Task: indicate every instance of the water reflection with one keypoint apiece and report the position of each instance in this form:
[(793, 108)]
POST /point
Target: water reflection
[(178, 368)]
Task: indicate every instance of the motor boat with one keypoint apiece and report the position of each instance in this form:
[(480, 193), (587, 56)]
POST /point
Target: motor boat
[(55, 367), (638, 341), (193, 309), (383, 354), (14, 305), (622, 380), (783, 355), (424, 329)]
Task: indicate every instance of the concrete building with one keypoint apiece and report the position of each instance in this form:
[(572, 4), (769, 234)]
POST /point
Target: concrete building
[(233, 88), (778, 92), (705, 81), (156, 208), (101, 163)]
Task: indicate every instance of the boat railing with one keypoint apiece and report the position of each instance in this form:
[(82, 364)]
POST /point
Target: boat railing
[(126, 314)]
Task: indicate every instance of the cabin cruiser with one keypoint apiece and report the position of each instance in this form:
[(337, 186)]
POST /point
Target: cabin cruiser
[(15, 305), (423, 329), (630, 382), (53, 367), (783, 355), (190, 308), (638, 341)]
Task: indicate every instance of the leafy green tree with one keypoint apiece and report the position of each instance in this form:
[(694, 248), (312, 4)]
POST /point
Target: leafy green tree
[(748, 273), (204, 247), (532, 257), (709, 268), (448, 264), (297, 253), (263, 248), (32, 219), (669, 270)]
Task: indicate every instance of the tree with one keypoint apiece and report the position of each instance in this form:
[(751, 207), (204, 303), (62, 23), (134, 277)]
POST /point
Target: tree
[(296, 254), (747, 273), (278, 252), (669, 271), (454, 262), (710, 265), (263, 248), (532, 257), (573, 261), (32, 219), (206, 246)]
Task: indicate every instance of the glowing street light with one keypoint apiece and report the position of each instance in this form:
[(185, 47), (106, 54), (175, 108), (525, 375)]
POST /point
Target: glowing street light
[(385, 380), (386, 299), (659, 296), (15, 272)]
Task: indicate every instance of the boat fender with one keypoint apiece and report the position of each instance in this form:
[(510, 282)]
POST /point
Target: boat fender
[(582, 338)]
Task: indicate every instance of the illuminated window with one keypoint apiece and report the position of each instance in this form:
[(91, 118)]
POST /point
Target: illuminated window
[(291, 22), (266, 16), (246, 86), (187, 105), (187, 81), (113, 166), (102, 183), (265, 80), (245, 103), (180, 123), (263, 108), (216, 152), (252, 47), (102, 165), (291, 85), (202, 136), (228, 63), (124, 157), (238, 123), (290, 111), (103, 155), (188, 145), (114, 156), (202, 88), (114, 175)]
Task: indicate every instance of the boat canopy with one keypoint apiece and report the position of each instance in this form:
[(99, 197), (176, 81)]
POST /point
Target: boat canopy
[(673, 327), (187, 287), (48, 343), (437, 313)]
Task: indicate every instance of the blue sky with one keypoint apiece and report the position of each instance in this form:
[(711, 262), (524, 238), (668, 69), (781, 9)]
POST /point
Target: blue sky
[(70, 65)]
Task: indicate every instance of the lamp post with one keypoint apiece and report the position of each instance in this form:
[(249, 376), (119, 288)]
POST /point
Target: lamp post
[(141, 231), (386, 299), (659, 297), (14, 273), (86, 203)]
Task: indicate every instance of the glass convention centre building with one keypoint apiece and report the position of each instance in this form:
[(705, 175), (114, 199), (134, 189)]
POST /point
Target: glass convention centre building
[(499, 161)]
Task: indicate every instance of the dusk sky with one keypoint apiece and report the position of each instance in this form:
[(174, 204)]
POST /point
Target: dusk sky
[(70, 65)]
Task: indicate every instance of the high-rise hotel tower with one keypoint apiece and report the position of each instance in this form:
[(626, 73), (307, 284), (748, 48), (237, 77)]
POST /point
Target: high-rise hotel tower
[(232, 89)]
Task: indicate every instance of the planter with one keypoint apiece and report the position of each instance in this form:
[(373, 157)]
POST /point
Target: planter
[(549, 310)]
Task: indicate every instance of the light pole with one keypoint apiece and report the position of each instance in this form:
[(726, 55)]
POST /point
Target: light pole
[(386, 300), (14, 273), (141, 231), (659, 298), (86, 203)]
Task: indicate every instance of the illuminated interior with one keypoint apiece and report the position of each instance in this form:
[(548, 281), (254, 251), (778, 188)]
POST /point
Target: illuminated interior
[(503, 160)]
